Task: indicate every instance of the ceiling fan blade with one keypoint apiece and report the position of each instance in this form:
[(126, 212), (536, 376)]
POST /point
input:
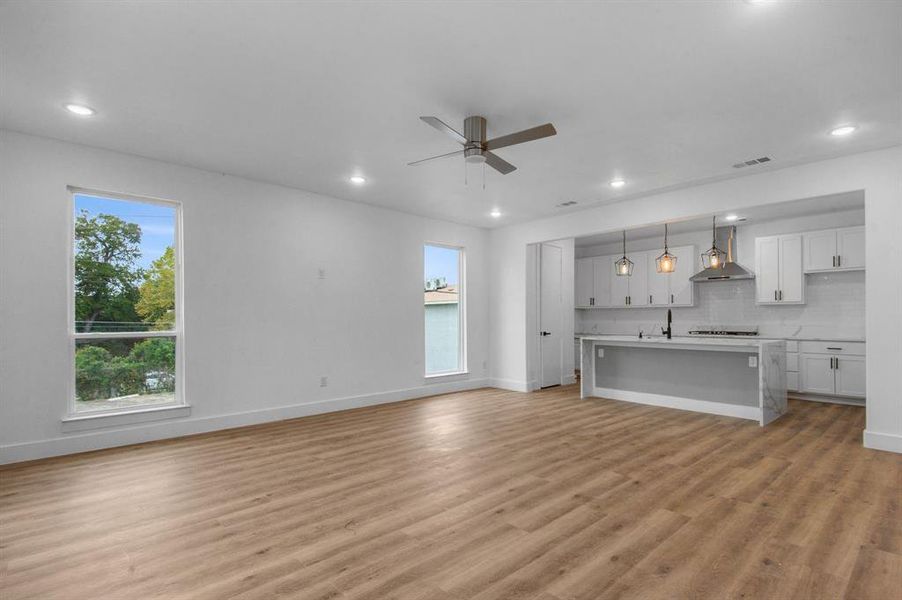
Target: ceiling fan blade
[(417, 162), (498, 163), (527, 135), (441, 126)]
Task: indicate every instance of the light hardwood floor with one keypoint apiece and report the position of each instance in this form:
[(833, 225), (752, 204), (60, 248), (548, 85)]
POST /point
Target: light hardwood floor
[(485, 494)]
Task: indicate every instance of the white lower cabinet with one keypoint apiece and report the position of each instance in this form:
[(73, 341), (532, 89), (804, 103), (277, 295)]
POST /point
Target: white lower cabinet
[(850, 376), (832, 369), (817, 374)]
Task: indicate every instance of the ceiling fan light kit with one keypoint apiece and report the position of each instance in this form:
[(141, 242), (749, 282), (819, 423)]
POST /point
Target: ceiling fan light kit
[(477, 148)]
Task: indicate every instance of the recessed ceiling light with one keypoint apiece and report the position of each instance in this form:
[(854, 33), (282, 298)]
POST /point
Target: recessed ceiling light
[(495, 213), (617, 183), (81, 110), (731, 217), (844, 130), (357, 179)]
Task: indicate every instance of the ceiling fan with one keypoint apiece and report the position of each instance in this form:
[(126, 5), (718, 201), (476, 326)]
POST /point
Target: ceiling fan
[(477, 149)]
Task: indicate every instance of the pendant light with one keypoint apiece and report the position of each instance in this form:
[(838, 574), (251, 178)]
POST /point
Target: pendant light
[(624, 266), (713, 258), (666, 263)]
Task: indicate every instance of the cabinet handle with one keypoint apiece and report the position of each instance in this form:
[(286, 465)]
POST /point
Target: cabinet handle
[(839, 260), (649, 299), (591, 301), (833, 348), (781, 295), (836, 362), (834, 260), (671, 298), (775, 295), (831, 363)]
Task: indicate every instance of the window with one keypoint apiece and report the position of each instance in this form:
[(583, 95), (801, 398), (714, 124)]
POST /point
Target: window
[(125, 321), (444, 307)]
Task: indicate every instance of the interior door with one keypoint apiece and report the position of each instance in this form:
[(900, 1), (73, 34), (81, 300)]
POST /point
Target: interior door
[(550, 316), (850, 248), (602, 267), (767, 276), (820, 249), (850, 376), (584, 282), (680, 286), (638, 283), (816, 372), (658, 283), (792, 280)]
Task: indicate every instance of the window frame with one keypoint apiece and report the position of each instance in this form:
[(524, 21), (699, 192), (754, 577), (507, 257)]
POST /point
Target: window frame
[(177, 332), (461, 307)]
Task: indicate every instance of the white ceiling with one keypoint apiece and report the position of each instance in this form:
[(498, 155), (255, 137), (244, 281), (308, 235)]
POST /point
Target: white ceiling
[(306, 94), (834, 203)]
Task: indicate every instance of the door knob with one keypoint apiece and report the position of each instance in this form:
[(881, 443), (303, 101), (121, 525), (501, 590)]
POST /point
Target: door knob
[(544, 333)]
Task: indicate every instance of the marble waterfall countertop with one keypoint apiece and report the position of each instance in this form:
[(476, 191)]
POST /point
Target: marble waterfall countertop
[(800, 338), (745, 344)]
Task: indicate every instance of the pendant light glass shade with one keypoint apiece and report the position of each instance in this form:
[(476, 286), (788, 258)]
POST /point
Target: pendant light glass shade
[(714, 257), (624, 266), (666, 263)]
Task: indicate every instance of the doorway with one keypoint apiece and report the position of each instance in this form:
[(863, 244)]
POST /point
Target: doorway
[(551, 350)]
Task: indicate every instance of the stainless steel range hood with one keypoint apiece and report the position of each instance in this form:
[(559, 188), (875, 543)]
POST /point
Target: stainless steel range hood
[(731, 269)]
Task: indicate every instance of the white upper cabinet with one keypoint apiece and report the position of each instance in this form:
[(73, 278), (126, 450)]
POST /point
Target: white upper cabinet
[(638, 283), (779, 278), (598, 285), (681, 289), (658, 283), (850, 248), (603, 267), (834, 250), (584, 280), (620, 287)]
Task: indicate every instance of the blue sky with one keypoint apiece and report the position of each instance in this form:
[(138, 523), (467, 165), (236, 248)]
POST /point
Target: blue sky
[(157, 222), (441, 262)]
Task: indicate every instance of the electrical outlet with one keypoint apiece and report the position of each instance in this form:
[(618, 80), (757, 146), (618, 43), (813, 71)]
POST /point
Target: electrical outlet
[(753, 361), (601, 353), (323, 381)]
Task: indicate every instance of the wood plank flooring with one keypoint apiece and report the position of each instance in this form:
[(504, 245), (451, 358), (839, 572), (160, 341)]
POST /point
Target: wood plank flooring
[(485, 495)]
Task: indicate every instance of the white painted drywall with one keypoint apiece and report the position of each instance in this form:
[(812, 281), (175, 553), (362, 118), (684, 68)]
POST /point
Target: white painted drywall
[(260, 327), (878, 174)]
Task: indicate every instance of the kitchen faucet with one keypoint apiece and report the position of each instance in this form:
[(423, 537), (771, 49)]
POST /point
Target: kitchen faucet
[(668, 332)]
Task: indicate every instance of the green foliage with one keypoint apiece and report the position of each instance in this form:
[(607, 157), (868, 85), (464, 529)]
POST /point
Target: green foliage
[(156, 303), (106, 274), (149, 366)]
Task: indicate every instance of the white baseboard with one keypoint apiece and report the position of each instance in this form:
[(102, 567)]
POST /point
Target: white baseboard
[(513, 385), (890, 442), (146, 432), (752, 413)]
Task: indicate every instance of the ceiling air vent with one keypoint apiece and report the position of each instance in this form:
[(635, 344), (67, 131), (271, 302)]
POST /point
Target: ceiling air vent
[(567, 203), (753, 162)]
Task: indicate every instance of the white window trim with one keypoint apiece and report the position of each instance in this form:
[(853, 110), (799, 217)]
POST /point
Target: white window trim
[(461, 307), (122, 415)]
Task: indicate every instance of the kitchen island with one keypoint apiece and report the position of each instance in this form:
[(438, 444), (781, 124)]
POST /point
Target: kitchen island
[(744, 378)]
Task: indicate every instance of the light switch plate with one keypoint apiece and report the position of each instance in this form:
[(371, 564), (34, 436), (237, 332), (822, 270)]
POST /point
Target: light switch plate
[(601, 353), (753, 361)]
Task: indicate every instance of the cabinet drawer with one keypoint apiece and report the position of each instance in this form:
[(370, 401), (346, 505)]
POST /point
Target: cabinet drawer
[(792, 345), (835, 348), (792, 382), (792, 361)]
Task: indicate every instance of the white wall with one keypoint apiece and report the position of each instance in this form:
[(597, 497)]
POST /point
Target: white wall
[(261, 328), (834, 306), (878, 174)]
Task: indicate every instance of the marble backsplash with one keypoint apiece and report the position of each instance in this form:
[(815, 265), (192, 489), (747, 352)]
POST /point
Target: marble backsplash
[(834, 309)]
